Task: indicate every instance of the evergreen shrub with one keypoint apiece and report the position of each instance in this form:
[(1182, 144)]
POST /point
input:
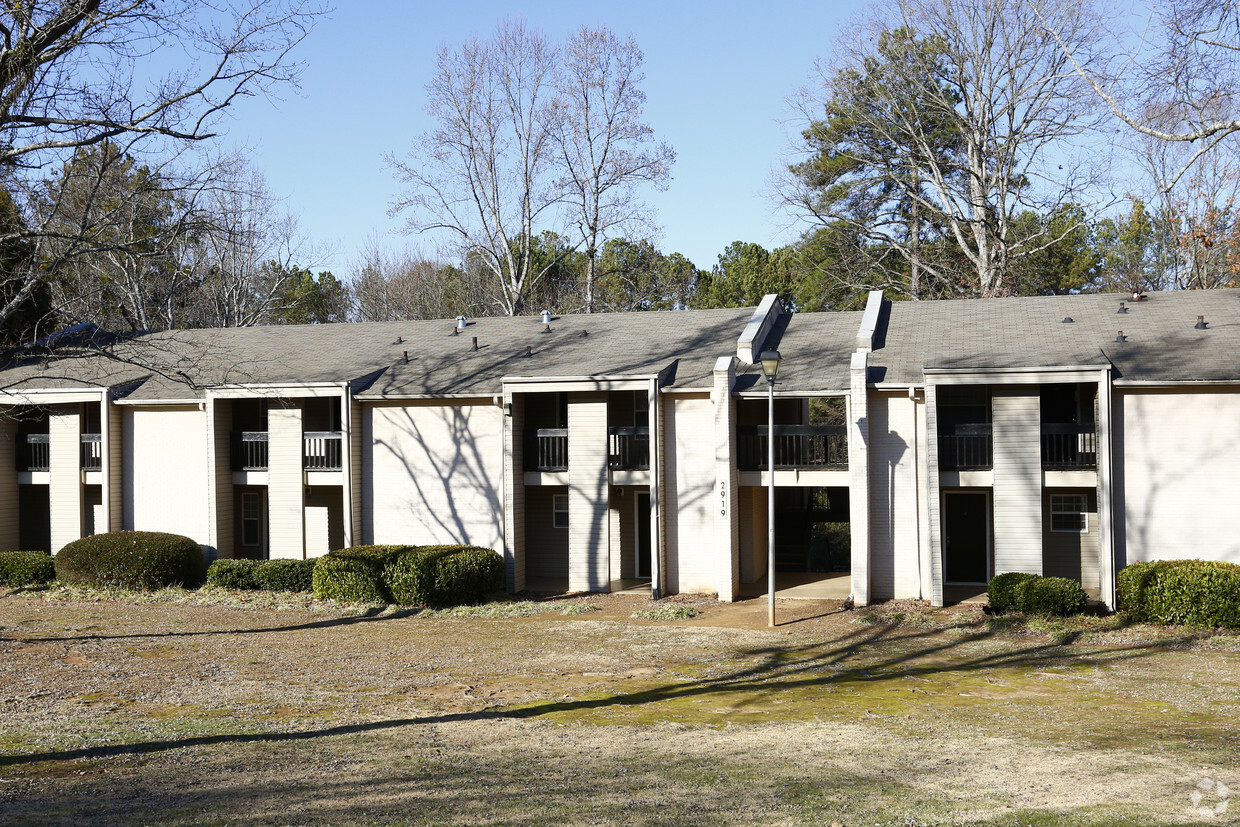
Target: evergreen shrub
[(141, 560), (26, 568)]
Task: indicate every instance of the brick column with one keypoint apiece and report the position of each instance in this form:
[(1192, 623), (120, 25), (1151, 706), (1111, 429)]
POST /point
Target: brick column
[(65, 436), (859, 478), (725, 497), (286, 498), (588, 526)]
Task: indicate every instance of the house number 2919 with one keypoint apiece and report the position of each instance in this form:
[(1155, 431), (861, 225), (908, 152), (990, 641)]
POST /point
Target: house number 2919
[(723, 498)]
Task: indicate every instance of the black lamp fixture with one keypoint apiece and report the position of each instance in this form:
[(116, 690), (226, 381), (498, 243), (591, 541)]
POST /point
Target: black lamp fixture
[(770, 364)]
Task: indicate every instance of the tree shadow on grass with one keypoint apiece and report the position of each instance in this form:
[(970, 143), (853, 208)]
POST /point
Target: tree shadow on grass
[(778, 669), (369, 616)]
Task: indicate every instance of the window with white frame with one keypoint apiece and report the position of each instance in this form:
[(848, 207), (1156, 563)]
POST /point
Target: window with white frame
[(251, 518), (559, 511), (1070, 512)]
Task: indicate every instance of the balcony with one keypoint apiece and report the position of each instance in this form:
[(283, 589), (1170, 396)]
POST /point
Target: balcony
[(92, 452), (34, 452), (965, 447), (1069, 447), (322, 450), (546, 449), (628, 449), (796, 447), (249, 451)]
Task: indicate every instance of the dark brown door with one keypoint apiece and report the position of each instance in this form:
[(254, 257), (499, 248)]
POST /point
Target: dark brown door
[(966, 536)]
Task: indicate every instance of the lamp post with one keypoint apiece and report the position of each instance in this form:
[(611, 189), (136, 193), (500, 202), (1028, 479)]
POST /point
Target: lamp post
[(770, 366)]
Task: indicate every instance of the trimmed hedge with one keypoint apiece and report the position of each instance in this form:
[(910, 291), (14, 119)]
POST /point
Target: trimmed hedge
[(1034, 594), (132, 560), (232, 574), (269, 575), (1193, 592), (1051, 596), (286, 575), (26, 568), (469, 575), (1003, 590), (410, 575), (355, 574)]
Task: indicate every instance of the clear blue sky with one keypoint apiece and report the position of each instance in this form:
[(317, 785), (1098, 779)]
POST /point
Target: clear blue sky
[(717, 79)]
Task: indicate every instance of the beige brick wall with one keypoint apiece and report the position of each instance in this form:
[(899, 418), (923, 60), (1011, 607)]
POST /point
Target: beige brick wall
[(65, 430), (165, 471), (285, 482), (589, 528), (725, 499), (893, 497), (435, 473), (689, 490), (1178, 463)]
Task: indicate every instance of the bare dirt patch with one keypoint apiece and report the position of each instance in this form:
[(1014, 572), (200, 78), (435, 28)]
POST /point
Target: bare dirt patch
[(178, 710)]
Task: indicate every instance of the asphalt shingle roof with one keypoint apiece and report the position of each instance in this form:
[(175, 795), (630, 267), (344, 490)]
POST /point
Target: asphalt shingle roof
[(1162, 345)]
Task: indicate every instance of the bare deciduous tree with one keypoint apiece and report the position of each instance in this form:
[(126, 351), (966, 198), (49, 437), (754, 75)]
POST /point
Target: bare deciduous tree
[(248, 250), (405, 285), (606, 149), (485, 174), (529, 142), (1178, 82), (148, 75), (965, 138)]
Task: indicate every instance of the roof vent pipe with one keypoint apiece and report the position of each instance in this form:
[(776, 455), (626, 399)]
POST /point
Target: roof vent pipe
[(1120, 337), (528, 354), (406, 356), (1122, 308), (460, 322), (546, 317), (474, 346), (1201, 323)]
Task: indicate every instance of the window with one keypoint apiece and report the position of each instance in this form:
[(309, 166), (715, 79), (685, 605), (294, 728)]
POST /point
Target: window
[(559, 513), (251, 518), (1069, 512)]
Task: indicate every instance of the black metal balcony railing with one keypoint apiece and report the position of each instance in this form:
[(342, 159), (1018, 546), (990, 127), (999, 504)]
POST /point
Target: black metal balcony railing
[(249, 450), (546, 449), (92, 452), (1069, 447), (34, 452), (965, 448), (796, 446), (628, 448), (322, 450)]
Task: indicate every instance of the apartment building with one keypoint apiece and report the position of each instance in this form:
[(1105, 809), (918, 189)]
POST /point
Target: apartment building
[(920, 447)]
